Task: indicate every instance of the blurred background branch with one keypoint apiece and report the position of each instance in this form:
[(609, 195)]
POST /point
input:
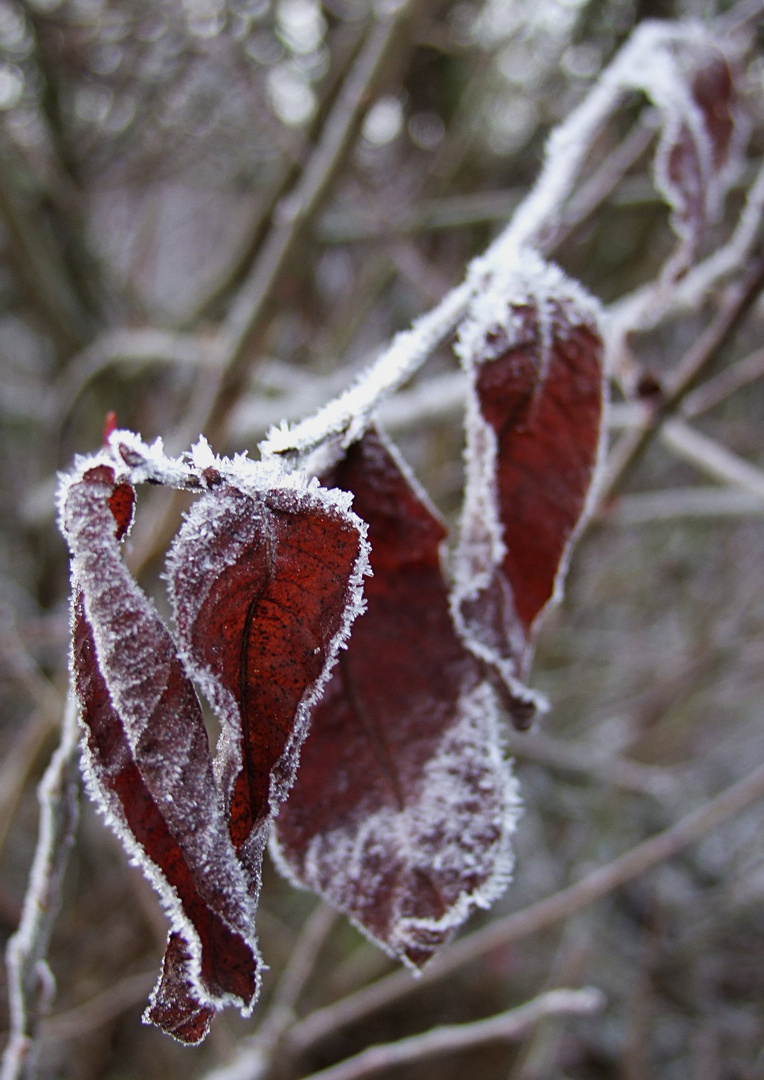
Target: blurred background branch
[(213, 215)]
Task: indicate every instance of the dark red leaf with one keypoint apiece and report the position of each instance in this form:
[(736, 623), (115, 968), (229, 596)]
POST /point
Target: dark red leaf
[(148, 763), (533, 438), (402, 807), (264, 587), (713, 90), (696, 141), (175, 1007), (109, 426)]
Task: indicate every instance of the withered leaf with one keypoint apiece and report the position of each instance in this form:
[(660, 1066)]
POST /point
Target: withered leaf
[(264, 586), (534, 356), (403, 804), (149, 768)]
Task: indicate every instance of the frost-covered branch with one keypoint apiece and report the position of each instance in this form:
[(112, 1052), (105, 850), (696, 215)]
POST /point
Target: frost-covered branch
[(684, 376), (295, 213), (651, 62), (30, 982), (507, 1026)]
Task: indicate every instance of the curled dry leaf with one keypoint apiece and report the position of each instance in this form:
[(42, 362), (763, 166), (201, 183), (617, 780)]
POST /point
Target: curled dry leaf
[(149, 768), (533, 353), (264, 587), (266, 581), (689, 79), (403, 804)]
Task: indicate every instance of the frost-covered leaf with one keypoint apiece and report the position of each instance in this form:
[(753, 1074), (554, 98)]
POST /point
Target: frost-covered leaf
[(533, 353), (264, 585), (148, 764), (688, 78), (403, 804)]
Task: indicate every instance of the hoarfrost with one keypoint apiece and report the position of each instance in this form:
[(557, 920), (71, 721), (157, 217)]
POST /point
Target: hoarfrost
[(531, 348), (147, 761), (403, 804), (410, 877)]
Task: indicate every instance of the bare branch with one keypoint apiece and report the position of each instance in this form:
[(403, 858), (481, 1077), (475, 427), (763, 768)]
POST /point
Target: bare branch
[(39, 263), (302, 962), (585, 760), (295, 213), (133, 347), (675, 503), (31, 984), (531, 920), (443, 1040), (696, 360), (719, 388), (711, 458), (98, 1010), (17, 764)]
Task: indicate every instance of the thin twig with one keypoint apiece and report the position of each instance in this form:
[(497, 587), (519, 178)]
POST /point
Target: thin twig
[(508, 1025), (539, 1052), (602, 183), (531, 920), (133, 347), (98, 1010), (716, 390), (673, 504), (30, 982), (302, 962), (39, 263), (255, 1055), (696, 360), (17, 764), (295, 213), (712, 458), (340, 226), (587, 761)]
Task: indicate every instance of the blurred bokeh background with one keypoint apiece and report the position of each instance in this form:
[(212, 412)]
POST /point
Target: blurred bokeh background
[(147, 152)]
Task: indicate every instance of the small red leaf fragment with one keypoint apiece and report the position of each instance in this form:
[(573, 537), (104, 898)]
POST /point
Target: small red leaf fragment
[(713, 90), (109, 426), (122, 506), (692, 85), (403, 805), (264, 587), (534, 356), (174, 1006)]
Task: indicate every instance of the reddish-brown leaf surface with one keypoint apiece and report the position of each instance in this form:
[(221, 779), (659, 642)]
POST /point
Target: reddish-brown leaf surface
[(149, 765), (402, 806), (697, 138), (533, 436), (714, 92), (264, 586)]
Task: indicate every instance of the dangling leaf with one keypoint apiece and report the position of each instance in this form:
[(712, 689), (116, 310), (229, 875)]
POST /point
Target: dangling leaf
[(149, 768), (403, 804), (265, 586), (533, 353)]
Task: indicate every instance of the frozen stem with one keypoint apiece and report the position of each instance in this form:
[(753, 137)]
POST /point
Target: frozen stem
[(508, 1026), (30, 982)]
